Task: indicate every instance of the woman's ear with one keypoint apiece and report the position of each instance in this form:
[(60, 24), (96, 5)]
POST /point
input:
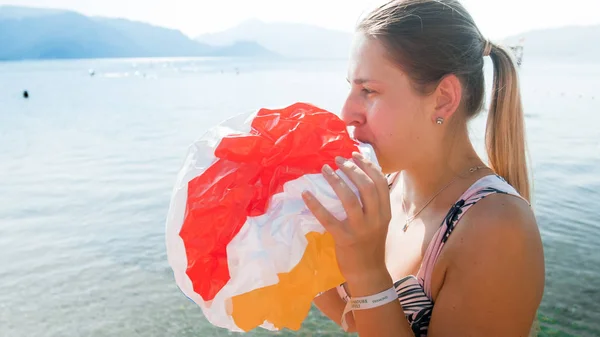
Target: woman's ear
[(448, 95)]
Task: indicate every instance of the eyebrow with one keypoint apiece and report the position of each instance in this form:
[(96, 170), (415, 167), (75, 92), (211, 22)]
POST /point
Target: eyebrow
[(361, 80)]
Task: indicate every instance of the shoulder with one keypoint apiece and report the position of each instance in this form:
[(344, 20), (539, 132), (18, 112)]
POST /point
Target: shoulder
[(500, 215), (499, 224), (498, 241), (493, 269)]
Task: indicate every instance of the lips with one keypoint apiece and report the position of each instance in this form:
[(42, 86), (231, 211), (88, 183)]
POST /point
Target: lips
[(358, 135)]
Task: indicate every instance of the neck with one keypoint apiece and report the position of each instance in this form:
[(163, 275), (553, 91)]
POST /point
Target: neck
[(436, 169)]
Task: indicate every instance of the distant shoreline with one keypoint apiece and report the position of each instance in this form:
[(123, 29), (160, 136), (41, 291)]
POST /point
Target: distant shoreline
[(179, 58)]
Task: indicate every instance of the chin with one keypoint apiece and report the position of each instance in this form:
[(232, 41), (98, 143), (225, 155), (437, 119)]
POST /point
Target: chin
[(381, 158), (382, 162), (387, 166), (385, 170)]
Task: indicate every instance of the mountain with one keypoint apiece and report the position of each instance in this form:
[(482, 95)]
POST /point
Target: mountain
[(565, 44), (287, 39), (242, 48), (14, 12), (31, 33)]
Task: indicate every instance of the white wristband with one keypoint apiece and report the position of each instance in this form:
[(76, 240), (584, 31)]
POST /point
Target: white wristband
[(368, 302)]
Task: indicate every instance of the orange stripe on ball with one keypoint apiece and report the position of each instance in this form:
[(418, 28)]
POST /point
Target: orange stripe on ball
[(287, 303)]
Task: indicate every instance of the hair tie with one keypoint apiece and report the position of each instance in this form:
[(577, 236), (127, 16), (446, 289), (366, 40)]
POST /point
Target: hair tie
[(487, 49)]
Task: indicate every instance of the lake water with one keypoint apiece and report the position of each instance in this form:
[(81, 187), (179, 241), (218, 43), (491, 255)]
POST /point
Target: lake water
[(87, 165)]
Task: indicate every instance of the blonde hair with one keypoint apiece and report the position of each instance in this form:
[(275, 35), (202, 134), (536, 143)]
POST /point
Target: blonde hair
[(430, 39), (505, 130)]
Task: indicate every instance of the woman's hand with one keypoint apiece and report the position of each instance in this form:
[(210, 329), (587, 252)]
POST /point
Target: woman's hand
[(360, 238)]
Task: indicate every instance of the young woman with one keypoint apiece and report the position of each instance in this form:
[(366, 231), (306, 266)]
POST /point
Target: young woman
[(447, 245)]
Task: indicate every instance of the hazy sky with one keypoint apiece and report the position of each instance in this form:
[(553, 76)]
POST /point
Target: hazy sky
[(496, 18)]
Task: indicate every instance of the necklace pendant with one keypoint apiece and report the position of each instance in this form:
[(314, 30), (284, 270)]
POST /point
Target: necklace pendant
[(405, 227)]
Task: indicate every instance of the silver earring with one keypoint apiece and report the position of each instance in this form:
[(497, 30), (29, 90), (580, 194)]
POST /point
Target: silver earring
[(439, 121)]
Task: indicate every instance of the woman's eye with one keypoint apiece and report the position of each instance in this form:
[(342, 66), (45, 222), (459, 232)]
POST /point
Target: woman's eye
[(367, 91)]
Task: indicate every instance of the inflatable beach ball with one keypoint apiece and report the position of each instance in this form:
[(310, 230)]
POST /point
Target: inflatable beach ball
[(241, 242)]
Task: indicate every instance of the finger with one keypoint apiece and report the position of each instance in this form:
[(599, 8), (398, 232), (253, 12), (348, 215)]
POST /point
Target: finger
[(329, 222), (367, 190), (348, 198), (378, 178)]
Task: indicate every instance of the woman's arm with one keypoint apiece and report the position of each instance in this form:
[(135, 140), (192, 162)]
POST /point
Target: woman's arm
[(360, 244), (494, 281), (493, 284), (331, 305), (494, 270), (383, 321)]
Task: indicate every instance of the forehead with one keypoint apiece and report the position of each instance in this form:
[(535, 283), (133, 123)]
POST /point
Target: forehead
[(369, 60)]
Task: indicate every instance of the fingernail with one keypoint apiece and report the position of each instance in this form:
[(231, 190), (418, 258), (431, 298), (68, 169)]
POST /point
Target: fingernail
[(357, 155), (327, 169), (307, 195), (340, 160)]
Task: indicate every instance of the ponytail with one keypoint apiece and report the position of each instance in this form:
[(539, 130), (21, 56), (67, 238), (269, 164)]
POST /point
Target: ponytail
[(505, 130)]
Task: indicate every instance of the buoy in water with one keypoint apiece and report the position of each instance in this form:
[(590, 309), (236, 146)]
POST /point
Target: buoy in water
[(25, 94), (92, 72)]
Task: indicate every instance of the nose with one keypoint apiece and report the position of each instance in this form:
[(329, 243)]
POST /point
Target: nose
[(353, 112)]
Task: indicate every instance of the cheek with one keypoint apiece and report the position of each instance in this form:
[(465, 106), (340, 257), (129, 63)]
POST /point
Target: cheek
[(392, 120), (397, 129), (382, 120), (386, 127)]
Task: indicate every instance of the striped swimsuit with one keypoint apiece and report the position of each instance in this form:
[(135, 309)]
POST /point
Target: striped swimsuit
[(414, 292)]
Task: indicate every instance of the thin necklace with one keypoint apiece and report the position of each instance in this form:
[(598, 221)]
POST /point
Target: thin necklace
[(410, 219)]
